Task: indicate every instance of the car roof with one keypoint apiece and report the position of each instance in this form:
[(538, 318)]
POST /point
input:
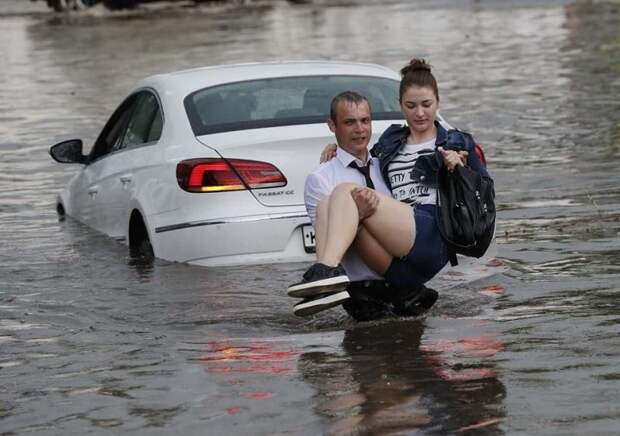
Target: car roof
[(184, 82)]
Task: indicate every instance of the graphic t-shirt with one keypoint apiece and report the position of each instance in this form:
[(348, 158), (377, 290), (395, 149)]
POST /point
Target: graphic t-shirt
[(404, 188)]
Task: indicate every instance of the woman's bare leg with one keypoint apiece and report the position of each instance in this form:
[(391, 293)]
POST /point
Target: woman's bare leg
[(371, 252), (391, 226), (320, 227), (342, 224)]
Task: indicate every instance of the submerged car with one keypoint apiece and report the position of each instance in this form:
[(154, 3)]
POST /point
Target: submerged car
[(207, 166)]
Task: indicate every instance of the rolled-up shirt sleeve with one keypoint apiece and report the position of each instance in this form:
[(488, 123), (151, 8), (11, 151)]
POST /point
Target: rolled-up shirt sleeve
[(315, 190)]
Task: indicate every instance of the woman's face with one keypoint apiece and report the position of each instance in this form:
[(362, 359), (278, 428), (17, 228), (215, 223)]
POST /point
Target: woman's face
[(419, 106)]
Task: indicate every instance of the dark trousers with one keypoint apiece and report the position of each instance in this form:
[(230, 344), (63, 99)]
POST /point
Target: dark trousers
[(377, 299)]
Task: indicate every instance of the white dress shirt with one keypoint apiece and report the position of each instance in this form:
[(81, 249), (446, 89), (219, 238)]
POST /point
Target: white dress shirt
[(321, 182)]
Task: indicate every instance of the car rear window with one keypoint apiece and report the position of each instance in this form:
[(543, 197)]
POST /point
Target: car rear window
[(284, 101)]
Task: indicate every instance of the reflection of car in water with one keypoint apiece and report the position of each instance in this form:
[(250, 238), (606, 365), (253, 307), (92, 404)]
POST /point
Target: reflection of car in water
[(61, 5)]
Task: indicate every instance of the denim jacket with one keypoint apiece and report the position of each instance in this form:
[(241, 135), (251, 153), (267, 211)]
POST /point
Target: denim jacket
[(426, 168)]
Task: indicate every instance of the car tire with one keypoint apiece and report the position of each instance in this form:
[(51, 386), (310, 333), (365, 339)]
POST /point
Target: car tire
[(139, 242)]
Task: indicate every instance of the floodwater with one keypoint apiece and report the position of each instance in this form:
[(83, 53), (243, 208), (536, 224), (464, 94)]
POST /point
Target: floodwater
[(93, 341)]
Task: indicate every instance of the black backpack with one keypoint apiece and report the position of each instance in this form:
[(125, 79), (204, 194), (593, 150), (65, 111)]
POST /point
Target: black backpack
[(466, 211)]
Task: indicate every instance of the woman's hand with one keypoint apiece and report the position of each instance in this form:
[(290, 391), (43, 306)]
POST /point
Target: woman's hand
[(328, 153), (366, 200), (452, 159)]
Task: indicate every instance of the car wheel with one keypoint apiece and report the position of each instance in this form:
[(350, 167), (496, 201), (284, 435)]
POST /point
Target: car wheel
[(139, 242)]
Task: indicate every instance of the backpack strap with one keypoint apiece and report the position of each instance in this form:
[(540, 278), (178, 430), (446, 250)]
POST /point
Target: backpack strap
[(451, 252), (452, 257)]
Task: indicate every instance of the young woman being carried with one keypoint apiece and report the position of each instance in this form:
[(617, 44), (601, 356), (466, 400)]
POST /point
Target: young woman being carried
[(397, 237)]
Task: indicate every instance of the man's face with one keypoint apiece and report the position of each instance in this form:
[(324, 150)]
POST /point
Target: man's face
[(352, 128)]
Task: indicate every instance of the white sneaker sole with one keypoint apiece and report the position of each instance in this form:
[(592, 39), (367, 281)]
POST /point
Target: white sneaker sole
[(331, 285), (320, 304)]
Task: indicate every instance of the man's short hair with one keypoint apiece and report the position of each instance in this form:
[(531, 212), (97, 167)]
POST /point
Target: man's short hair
[(348, 97)]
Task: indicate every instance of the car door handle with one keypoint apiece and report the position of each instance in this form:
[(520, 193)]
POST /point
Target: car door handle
[(125, 179), (93, 191)]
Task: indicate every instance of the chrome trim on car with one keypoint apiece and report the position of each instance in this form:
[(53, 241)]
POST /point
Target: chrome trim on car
[(243, 219)]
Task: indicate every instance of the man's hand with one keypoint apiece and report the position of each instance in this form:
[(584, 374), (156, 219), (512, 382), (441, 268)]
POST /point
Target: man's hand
[(328, 153), (366, 200), (453, 158)]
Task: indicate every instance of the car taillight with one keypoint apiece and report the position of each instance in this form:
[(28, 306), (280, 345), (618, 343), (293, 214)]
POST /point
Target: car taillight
[(215, 175), (481, 155)]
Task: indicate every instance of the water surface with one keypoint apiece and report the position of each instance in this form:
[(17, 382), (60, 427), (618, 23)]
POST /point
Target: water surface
[(94, 341)]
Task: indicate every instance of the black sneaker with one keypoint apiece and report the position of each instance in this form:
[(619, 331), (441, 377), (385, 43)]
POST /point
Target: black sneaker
[(416, 302), (320, 279), (310, 306)]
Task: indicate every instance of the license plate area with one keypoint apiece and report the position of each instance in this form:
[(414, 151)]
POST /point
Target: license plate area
[(309, 238)]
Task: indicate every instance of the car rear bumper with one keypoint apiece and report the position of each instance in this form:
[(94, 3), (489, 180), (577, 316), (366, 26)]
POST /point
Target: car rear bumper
[(254, 239)]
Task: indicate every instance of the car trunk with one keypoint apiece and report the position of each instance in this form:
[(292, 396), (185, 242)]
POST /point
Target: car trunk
[(294, 150)]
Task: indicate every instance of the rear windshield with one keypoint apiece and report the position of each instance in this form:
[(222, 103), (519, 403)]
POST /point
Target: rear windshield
[(283, 101)]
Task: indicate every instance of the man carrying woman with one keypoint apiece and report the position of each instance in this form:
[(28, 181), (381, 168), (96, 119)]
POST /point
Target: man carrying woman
[(396, 236)]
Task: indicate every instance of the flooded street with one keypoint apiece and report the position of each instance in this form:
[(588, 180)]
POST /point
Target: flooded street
[(94, 341)]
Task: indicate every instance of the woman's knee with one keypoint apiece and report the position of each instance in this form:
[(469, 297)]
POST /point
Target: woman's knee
[(345, 187)]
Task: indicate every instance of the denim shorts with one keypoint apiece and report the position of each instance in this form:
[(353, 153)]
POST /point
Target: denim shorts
[(428, 255)]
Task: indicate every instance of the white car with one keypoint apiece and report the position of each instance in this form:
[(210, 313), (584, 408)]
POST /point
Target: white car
[(207, 166)]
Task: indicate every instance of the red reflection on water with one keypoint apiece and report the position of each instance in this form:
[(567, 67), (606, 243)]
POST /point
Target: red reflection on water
[(258, 395), (452, 357), (223, 357), (481, 346), (255, 369), (239, 382), (478, 346), (494, 263), (480, 424), (466, 374), (495, 288)]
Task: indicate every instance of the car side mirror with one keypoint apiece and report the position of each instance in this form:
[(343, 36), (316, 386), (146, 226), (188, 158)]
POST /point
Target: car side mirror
[(68, 152)]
